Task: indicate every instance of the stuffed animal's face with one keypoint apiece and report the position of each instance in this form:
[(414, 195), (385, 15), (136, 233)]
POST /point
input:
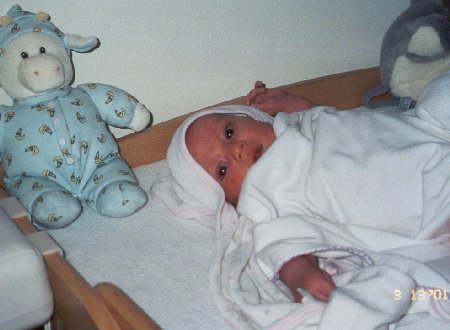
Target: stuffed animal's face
[(34, 64)]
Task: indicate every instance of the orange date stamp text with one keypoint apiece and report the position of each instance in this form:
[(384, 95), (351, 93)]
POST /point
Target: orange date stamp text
[(421, 294)]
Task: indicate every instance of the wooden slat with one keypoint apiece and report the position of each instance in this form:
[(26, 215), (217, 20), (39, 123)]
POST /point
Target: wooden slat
[(125, 311), (77, 304), (25, 225), (150, 145), (343, 91)]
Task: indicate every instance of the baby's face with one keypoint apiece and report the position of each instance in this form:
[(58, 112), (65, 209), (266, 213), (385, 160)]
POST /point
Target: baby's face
[(226, 146)]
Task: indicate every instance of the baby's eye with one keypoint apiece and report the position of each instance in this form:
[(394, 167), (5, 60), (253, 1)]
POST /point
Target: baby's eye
[(222, 171), (229, 132)]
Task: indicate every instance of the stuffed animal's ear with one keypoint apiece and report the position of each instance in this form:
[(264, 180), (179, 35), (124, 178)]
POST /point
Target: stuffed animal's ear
[(80, 44)]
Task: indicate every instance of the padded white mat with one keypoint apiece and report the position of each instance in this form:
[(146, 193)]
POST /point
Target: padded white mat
[(160, 261)]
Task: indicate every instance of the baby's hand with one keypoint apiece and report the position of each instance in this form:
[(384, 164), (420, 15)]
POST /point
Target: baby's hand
[(270, 100), (319, 283), (273, 100), (304, 272)]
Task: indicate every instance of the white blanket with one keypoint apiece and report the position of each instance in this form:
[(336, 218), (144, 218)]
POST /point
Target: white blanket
[(374, 289), (371, 203), (377, 169)]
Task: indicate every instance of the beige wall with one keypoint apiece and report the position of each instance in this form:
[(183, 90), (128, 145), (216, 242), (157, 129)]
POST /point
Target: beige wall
[(177, 56)]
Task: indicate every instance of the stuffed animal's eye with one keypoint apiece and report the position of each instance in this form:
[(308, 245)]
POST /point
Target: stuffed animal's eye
[(24, 55), (42, 50)]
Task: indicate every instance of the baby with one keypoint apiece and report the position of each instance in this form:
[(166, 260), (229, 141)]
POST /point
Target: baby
[(369, 169), (226, 146)]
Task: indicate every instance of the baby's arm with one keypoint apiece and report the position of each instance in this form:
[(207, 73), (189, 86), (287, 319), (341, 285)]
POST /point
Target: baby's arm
[(303, 272), (272, 100)]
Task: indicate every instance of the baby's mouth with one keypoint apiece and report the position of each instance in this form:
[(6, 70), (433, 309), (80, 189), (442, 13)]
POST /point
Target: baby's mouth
[(258, 153)]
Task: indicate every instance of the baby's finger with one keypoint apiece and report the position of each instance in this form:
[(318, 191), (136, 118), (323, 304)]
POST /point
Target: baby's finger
[(259, 84), (250, 97), (330, 281), (260, 87), (298, 297), (322, 293), (325, 291)]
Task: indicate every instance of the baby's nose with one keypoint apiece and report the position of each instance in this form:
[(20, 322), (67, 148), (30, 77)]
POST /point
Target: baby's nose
[(238, 150)]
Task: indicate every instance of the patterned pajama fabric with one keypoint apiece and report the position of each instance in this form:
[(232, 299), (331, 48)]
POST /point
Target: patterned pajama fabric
[(60, 141)]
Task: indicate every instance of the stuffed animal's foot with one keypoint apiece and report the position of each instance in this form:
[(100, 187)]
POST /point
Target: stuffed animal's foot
[(55, 209), (120, 199)]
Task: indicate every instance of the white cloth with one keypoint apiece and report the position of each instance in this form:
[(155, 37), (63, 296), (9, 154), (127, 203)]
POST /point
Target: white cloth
[(241, 275)]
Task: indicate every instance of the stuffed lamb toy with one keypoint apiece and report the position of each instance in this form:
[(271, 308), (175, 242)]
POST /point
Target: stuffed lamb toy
[(414, 51), (56, 149)]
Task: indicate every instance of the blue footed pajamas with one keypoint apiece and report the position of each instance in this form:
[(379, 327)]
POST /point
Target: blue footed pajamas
[(56, 150)]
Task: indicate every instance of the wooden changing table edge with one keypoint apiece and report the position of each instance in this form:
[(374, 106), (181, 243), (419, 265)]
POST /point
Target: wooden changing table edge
[(342, 90), (105, 306)]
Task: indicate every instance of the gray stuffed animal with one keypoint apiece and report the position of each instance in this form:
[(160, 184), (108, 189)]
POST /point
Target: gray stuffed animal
[(415, 50)]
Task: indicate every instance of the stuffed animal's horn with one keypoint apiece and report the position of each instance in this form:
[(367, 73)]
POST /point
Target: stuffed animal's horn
[(5, 20), (42, 16)]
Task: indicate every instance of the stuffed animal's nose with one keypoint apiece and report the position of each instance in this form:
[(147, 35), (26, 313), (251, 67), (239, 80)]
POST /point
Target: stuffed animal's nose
[(41, 72)]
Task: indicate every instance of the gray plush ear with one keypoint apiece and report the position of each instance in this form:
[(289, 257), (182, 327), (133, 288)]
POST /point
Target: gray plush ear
[(415, 49), (80, 44)]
